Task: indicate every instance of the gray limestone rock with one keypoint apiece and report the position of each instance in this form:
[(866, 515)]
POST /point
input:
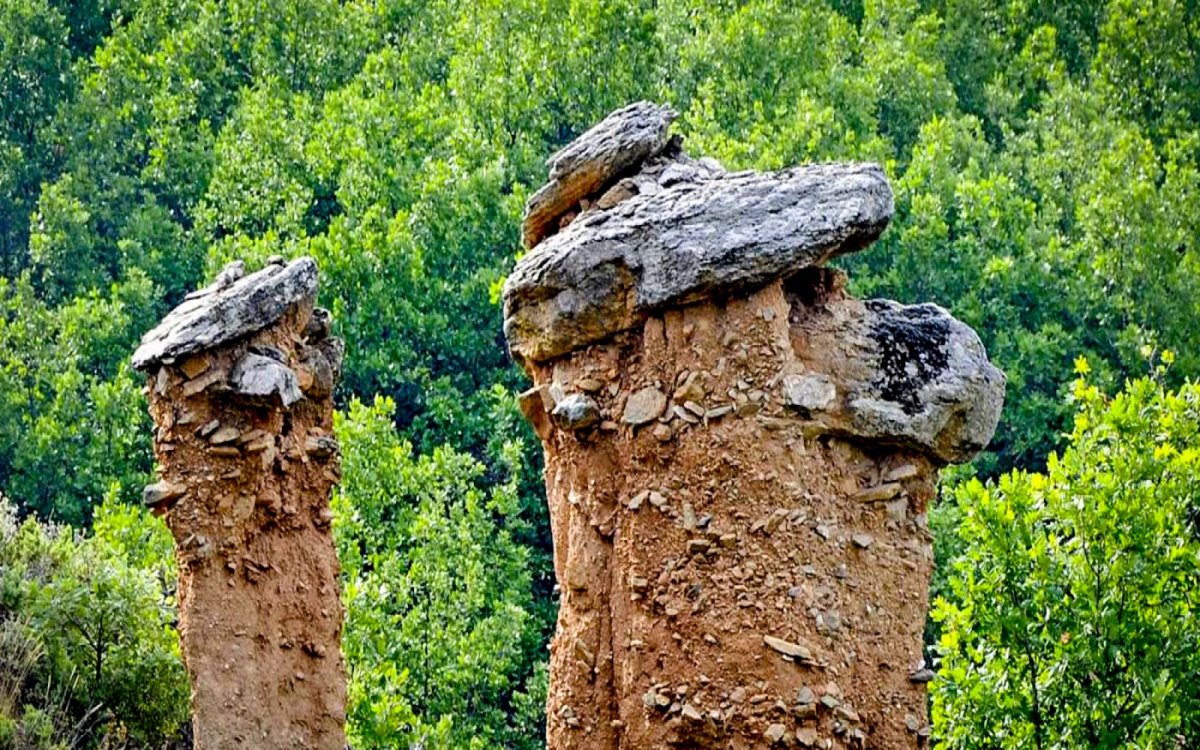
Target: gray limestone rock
[(161, 493), (692, 240), (644, 406), (575, 412), (808, 392), (228, 310), (264, 378), (619, 142), (905, 374)]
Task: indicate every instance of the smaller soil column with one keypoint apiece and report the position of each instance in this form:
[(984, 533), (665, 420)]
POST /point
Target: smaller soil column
[(739, 454), (240, 381)]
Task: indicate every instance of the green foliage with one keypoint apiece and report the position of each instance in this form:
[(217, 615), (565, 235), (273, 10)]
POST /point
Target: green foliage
[(1073, 615), (440, 640), (72, 418), (88, 647)]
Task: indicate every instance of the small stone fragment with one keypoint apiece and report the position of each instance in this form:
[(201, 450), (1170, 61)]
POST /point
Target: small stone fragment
[(879, 493), (590, 385), (906, 471), (718, 412), (698, 546), (264, 378), (226, 434), (194, 366), (922, 676), (576, 412), (775, 733), (809, 393), (160, 493), (320, 447), (787, 648), (644, 406)]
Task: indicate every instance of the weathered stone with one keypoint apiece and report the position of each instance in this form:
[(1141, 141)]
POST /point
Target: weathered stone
[(161, 493), (194, 366), (620, 141), (590, 385), (907, 471), (227, 310), (775, 733), (885, 491), (808, 393), (909, 375), (787, 648), (264, 378), (318, 326), (315, 375), (576, 412), (644, 406), (225, 435), (320, 447), (609, 270)]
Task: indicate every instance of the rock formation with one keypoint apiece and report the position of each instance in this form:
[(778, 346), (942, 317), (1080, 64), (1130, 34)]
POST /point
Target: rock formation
[(240, 383), (739, 455)]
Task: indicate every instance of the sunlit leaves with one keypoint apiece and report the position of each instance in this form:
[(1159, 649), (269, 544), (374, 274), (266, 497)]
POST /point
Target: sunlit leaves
[(1074, 613)]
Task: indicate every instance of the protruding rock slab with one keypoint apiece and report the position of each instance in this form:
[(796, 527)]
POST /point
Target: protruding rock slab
[(622, 140), (883, 372), (240, 384), (228, 310), (692, 240)]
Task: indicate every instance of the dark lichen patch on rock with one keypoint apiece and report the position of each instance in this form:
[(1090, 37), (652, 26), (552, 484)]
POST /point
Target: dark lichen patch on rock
[(913, 351)]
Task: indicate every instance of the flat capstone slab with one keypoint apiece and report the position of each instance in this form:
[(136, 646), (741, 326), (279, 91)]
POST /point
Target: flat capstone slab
[(691, 240), (228, 310)]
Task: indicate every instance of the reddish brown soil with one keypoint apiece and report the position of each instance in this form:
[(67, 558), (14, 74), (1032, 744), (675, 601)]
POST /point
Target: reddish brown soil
[(260, 618), (752, 529)]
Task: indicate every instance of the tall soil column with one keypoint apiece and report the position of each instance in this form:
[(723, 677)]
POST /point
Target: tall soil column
[(739, 455), (241, 377)]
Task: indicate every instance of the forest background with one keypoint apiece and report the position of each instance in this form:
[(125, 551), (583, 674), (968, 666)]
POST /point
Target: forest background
[(1046, 163)]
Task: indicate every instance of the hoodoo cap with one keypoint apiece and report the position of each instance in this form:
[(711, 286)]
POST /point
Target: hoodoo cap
[(232, 307), (651, 228)]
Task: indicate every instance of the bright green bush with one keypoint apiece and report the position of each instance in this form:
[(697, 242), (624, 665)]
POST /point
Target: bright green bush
[(1073, 613), (88, 646), (441, 643)]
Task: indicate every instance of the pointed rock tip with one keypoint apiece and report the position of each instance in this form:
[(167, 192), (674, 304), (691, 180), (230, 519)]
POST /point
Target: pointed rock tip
[(618, 143)]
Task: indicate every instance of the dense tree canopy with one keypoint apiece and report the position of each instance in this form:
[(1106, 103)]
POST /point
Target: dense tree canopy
[(1045, 157)]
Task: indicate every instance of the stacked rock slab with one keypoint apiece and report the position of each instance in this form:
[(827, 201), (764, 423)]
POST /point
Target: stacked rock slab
[(240, 382), (739, 455)]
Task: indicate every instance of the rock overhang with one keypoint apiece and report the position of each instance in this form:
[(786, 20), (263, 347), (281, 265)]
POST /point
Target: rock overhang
[(233, 307), (665, 231)]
